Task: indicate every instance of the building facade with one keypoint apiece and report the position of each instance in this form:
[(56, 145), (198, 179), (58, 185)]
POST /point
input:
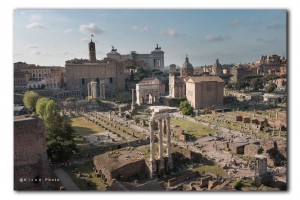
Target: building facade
[(35, 76), (109, 72), (149, 90), (205, 92), (239, 71), (153, 60), (177, 83)]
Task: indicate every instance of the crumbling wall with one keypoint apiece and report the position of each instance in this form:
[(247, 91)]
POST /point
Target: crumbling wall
[(252, 149), (30, 154)]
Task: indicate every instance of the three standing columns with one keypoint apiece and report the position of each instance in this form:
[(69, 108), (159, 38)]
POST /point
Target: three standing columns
[(161, 132)]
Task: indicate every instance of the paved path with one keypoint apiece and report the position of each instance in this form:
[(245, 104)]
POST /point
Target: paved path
[(65, 179)]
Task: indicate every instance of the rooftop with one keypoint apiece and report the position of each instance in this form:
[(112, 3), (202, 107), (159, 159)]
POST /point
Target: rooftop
[(198, 79)]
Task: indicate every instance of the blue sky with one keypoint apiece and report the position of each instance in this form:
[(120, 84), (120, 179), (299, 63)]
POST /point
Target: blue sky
[(50, 37)]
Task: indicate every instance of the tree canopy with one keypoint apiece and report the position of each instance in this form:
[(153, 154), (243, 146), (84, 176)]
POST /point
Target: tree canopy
[(270, 88), (41, 106), (30, 98), (186, 108), (59, 133)]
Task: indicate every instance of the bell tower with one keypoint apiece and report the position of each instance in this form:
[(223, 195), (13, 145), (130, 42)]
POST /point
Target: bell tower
[(92, 51)]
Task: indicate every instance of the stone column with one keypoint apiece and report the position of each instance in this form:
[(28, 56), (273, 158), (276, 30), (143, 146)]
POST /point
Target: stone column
[(132, 100), (109, 115), (93, 89), (160, 148), (164, 126), (276, 115), (103, 90), (152, 150), (169, 154), (100, 88)]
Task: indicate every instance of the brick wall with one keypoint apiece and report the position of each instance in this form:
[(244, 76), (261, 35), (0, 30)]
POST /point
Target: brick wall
[(30, 154)]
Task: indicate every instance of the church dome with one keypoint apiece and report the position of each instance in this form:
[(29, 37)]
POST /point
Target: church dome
[(217, 64), (187, 64)]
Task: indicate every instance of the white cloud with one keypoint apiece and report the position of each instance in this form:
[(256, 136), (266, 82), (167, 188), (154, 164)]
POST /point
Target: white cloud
[(172, 33), (67, 31), (140, 29), (90, 29), (35, 25), (35, 18), (218, 38)]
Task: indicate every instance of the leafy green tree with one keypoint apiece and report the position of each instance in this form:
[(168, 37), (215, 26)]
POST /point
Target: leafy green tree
[(59, 149), (256, 84), (52, 116), (59, 134), (186, 108), (237, 85), (30, 98), (41, 106), (270, 88), (238, 184)]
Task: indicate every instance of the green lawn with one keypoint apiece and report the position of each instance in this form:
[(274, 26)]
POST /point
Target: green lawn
[(207, 169), (84, 127), (86, 171), (194, 129)]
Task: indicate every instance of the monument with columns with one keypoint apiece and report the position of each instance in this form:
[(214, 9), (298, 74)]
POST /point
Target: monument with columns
[(160, 166), (92, 92)]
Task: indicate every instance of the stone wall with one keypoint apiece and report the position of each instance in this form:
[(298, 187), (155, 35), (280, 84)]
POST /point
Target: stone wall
[(30, 154), (125, 172), (187, 176), (252, 149)]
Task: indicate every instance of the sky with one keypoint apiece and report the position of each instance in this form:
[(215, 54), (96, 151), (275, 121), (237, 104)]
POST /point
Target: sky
[(50, 37)]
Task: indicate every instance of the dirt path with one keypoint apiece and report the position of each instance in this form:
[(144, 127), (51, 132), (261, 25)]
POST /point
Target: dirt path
[(65, 179)]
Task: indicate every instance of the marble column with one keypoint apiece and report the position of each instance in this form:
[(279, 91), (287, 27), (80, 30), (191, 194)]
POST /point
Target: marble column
[(100, 88), (132, 100), (93, 89), (169, 153), (152, 150), (103, 90), (109, 115), (160, 148)]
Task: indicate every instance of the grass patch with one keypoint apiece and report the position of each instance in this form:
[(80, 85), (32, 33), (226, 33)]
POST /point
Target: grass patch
[(86, 171), (207, 169), (84, 127), (192, 128)]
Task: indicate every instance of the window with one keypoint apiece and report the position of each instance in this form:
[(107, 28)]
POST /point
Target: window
[(110, 80), (83, 81)]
